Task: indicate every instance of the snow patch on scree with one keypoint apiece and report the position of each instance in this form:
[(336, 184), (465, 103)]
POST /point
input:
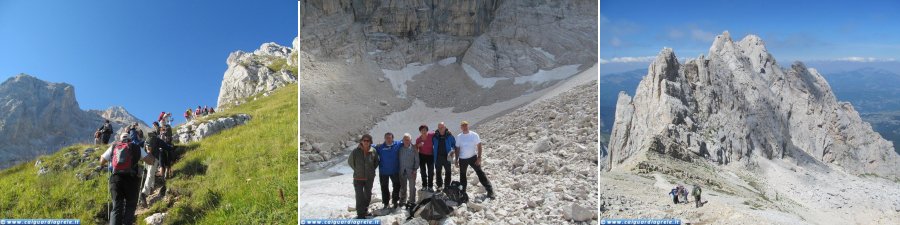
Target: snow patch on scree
[(398, 78)]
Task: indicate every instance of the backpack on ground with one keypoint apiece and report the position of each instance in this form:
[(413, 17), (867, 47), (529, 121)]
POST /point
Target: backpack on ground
[(432, 208), (124, 158), (455, 193)]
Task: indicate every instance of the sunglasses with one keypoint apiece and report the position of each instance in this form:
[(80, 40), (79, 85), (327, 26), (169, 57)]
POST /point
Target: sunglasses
[(367, 140)]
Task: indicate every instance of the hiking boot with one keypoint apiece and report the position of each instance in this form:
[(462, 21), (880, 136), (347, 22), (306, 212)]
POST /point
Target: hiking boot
[(491, 194)]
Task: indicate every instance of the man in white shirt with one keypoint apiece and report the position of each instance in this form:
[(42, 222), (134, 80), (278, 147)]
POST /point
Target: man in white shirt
[(468, 153)]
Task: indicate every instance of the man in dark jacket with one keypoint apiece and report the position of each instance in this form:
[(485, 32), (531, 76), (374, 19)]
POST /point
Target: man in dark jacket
[(363, 160), (107, 130), (443, 142), (389, 170)]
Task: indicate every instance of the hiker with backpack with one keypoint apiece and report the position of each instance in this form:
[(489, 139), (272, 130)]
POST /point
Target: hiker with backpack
[(363, 160), (168, 149), (198, 113), (154, 148), (187, 115), (161, 118), (136, 135), (97, 135), (389, 170), (107, 130), (409, 163), (124, 182), (468, 154), (426, 158), (443, 143)]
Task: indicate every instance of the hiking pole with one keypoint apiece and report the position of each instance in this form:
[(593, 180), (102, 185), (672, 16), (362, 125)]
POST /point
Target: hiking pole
[(109, 193), (108, 171)]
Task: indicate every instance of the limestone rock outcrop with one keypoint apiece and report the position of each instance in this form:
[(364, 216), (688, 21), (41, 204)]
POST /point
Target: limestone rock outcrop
[(196, 130), (39, 117), (739, 105), (258, 72)]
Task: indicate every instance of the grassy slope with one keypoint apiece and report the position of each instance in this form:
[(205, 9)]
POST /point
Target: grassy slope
[(236, 176)]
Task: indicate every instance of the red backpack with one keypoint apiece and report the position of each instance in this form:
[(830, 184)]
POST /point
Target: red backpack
[(124, 158)]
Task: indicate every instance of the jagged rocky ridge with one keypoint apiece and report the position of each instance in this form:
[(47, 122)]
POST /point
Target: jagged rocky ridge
[(39, 117), (377, 57), (738, 105), (261, 71)]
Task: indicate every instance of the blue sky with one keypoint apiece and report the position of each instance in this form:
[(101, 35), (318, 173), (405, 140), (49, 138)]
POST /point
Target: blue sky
[(148, 56), (858, 31)]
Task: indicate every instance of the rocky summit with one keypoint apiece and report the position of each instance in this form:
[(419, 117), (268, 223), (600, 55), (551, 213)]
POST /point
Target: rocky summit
[(739, 106), (39, 117), (258, 72)]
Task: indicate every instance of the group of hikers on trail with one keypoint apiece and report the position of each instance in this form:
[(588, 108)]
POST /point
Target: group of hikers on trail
[(129, 185), (206, 110), (680, 195), (397, 162)]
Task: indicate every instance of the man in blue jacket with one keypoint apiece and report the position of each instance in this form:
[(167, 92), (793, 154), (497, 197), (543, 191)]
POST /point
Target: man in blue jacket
[(388, 169), (443, 142)]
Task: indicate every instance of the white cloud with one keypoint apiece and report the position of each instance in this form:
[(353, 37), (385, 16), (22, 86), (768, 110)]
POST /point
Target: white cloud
[(628, 59), (701, 35), (675, 33), (864, 59), (615, 42)]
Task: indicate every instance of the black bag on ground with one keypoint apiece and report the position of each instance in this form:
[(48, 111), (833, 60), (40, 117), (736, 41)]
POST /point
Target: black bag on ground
[(432, 208), (454, 193)]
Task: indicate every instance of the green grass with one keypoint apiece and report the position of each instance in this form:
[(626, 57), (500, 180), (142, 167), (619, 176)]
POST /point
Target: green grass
[(278, 64), (234, 177), (58, 194)]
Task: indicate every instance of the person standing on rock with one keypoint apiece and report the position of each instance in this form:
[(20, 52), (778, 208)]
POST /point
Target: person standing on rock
[(389, 170), (363, 160), (124, 181), (443, 143), (198, 113), (409, 163), (468, 153), (426, 160)]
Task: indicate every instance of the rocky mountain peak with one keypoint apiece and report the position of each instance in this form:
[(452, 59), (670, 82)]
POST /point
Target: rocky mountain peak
[(24, 86), (740, 106), (39, 117), (723, 40)]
